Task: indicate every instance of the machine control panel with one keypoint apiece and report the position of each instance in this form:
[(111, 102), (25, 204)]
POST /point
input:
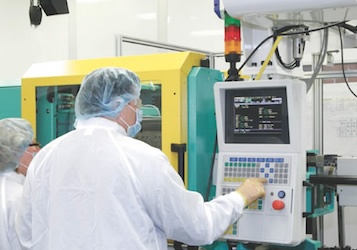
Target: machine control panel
[(276, 208), (260, 128)]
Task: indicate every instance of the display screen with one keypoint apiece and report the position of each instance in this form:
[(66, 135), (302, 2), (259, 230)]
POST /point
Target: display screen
[(257, 116)]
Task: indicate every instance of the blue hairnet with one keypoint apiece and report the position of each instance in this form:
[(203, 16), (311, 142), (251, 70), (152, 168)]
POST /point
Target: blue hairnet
[(15, 136), (105, 92)]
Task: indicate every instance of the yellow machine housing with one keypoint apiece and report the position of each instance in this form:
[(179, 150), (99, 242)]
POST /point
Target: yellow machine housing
[(169, 70)]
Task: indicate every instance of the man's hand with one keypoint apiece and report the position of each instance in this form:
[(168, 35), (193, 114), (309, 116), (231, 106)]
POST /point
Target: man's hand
[(252, 189)]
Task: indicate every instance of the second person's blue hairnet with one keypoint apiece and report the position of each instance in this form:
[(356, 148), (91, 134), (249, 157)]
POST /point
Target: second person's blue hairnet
[(105, 92)]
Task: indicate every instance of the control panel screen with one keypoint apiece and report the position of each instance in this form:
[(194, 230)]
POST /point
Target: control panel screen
[(257, 116)]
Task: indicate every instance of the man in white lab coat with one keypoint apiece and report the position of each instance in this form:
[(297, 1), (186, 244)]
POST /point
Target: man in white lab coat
[(98, 188), (15, 152)]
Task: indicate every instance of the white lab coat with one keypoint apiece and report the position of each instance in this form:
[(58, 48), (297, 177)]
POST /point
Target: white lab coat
[(11, 184), (96, 188)]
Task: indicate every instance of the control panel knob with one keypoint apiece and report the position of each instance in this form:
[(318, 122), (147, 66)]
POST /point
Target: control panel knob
[(278, 205), (281, 194)]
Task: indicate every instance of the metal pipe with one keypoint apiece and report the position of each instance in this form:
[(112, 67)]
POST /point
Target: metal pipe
[(318, 111), (120, 39), (318, 133), (332, 74), (161, 45), (333, 179), (118, 45)]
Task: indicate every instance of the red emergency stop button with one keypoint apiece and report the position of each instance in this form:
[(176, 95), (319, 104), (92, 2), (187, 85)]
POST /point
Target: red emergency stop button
[(278, 205)]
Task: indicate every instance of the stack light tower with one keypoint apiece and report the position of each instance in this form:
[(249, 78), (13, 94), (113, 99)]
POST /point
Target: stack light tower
[(232, 45)]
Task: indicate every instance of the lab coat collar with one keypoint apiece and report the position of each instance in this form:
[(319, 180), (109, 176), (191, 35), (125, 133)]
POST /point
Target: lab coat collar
[(100, 122)]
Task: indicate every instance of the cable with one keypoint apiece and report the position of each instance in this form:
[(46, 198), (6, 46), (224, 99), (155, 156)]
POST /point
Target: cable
[(253, 52), (278, 32), (275, 45), (281, 32), (323, 52), (343, 63), (313, 30), (291, 65), (296, 62)]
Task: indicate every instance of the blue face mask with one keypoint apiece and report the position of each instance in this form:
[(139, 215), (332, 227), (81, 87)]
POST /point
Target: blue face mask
[(135, 128)]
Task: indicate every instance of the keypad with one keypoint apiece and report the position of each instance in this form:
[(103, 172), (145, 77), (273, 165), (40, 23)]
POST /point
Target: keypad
[(275, 170), (238, 169)]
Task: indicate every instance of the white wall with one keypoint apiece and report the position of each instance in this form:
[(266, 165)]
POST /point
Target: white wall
[(89, 32), (90, 28), (97, 24), (22, 45)]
